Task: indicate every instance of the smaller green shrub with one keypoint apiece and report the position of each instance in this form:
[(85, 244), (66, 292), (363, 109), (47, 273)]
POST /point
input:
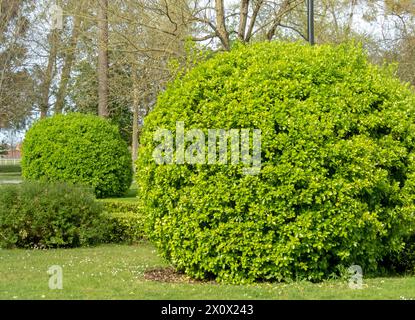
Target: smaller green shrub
[(80, 149), (124, 227), (38, 214), (124, 222), (10, 168)]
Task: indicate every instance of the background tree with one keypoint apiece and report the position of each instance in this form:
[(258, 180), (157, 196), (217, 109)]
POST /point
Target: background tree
[(103, 58), (69, 56), (16, 82), (3, 148), (142, 44)]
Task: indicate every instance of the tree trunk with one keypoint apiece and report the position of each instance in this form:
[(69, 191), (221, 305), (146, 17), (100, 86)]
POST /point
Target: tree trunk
[(44, 102), (285, 7), (220, 24), (67, 66), (136, 111), (243, 19), (103, 58), (254, 16)]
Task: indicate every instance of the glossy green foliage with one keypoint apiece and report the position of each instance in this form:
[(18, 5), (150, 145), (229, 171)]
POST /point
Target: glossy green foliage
[(78, 148), (337, 181)]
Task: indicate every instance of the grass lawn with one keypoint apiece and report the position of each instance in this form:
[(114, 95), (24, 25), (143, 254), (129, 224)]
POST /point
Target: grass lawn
[(10, 177), (117, 272)]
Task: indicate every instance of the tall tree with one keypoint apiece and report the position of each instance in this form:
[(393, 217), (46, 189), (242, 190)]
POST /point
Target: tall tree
[(221, 30), (245, 21), (16, 82), (49, 72), (103, 58), (69, 57), (148, 34), (136, 113)]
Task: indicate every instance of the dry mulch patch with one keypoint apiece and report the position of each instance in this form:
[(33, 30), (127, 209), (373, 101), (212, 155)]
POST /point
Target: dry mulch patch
[(170, 275)]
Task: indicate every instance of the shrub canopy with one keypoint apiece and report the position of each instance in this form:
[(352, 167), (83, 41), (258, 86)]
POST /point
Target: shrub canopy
[(336, 185), (78, 148)]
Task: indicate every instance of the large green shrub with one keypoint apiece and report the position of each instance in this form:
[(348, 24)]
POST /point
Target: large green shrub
[(78, 148), (336, 186), (43, 215)]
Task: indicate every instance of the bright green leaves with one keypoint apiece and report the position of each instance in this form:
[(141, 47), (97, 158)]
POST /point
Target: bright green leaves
[(78, 148), (337, 180)]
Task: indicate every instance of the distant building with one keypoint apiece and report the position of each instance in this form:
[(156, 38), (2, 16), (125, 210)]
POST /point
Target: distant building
[(14, 152)]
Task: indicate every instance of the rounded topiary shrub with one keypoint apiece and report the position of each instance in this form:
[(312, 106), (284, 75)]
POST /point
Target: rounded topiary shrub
[(78, 148), (337, 176)]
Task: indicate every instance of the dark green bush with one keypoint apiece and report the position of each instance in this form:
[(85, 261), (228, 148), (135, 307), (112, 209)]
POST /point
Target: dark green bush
[(78, 148), (337, 181), (402, 262), (39, 214), (10, 168), (124, 222)]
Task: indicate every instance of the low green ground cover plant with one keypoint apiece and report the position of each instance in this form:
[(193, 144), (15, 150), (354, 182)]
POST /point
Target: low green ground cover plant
[(48, 215)]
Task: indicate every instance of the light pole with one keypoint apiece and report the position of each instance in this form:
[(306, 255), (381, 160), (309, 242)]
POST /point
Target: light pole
[(310, 21)]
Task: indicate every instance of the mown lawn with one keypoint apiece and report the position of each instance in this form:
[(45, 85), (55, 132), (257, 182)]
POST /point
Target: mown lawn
[(117, 272), (10, 177)]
